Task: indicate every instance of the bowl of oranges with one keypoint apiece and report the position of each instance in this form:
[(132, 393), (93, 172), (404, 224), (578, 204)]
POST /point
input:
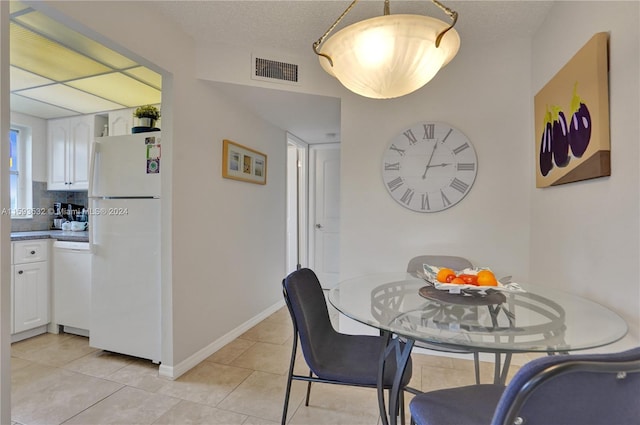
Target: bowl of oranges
[(463, 281)]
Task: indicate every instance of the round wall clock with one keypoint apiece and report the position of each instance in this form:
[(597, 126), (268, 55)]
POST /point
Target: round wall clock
[(429, 167)]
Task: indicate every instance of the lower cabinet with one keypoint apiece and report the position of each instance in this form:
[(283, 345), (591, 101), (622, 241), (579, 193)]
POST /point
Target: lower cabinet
[(30, 286)]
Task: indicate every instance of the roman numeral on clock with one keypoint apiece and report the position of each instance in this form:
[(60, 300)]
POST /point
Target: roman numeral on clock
[(445, 201), (425, 202), (412, 138), (395, 166), (461, 148), (395, 183), (393, 147), (466, 166), (408, 195), (429, 130), (459, 185)]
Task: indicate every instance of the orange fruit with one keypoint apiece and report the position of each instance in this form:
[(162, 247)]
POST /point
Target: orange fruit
[(458, 280), (486, 273), (443, 273), (487, 279)]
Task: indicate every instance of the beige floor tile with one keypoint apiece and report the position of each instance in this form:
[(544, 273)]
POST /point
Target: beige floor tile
[(259, 421), (231, 351), (282, 316), (57, 396), (39, 342), (126, 406), (262, 395), (56, 352), (337, 404), (272, 331), (271, 358), (435, 378), (187, 413), (99, 363), (141, 374), (207, 383), (18, 363)]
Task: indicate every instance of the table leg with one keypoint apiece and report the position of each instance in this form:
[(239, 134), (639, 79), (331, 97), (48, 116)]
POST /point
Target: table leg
[(401, 352)]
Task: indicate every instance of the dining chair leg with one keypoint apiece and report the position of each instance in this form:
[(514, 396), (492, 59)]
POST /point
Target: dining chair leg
[(306, 402), (476, 364), (287, 392)]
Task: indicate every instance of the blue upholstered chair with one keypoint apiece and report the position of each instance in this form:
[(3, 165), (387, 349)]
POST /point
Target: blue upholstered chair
[(455, 263), (333, 358), (580, 389)]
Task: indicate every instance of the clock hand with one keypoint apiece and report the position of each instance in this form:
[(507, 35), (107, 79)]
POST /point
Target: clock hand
[(435, 145), (438, 165)]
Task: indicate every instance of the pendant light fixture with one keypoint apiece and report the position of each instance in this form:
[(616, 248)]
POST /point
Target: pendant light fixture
[(388, 56)]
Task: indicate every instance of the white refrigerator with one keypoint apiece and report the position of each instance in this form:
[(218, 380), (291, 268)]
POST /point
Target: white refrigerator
[(124, 236)]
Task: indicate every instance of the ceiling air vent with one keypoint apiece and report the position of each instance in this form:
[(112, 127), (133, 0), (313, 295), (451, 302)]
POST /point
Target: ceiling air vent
[(276, 71)]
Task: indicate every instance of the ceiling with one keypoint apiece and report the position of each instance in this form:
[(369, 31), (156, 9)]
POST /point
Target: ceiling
[(57, 72), (292, 26)]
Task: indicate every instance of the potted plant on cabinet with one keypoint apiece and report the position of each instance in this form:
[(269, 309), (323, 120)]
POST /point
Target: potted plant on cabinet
[(147, 115)]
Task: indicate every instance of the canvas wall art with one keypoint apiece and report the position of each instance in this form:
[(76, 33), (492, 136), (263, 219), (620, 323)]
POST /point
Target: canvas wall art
[(572, 119)]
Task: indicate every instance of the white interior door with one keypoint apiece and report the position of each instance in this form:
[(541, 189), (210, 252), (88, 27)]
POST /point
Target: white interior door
[(326, 214)]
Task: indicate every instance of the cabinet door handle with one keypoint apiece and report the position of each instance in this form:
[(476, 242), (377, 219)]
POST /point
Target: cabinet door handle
[(33, 252), (20, 271)]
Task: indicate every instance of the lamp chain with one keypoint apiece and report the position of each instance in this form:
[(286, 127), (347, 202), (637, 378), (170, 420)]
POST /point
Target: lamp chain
[(321, 39), (452, 14)]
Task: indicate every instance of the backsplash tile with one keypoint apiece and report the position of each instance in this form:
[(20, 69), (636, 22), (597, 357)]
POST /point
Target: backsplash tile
[(44, 199)]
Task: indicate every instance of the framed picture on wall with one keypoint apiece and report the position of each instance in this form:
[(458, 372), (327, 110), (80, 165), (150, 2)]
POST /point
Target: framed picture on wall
[(242, 163), (572, 119)]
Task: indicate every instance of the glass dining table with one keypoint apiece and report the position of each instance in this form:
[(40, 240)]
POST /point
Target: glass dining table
[(411, 311)]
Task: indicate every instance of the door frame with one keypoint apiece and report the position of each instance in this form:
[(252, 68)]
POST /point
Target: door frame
[(300, 197)]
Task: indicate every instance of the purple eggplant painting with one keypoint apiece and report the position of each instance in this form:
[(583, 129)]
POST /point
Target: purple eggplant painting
[(559, 138), (546, 156), (571, 119), (579, 126)]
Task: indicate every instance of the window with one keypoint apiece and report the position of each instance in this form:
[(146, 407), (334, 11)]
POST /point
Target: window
[(13, 169), (19, 175)]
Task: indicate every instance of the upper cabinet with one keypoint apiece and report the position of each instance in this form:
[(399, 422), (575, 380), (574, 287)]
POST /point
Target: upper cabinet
[(69, 147), (121, 122)]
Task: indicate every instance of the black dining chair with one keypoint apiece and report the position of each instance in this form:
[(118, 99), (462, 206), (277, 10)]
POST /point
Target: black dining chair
[(332, 357), (576, 389), (415, 267)]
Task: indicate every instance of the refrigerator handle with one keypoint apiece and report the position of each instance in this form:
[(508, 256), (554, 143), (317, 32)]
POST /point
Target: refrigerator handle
[(91, 209), (95, 150)]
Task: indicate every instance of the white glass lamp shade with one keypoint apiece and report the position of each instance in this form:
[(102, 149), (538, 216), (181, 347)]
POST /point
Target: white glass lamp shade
[(389, 56)]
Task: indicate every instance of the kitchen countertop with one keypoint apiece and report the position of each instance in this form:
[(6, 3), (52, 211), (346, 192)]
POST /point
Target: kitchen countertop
[(61, 235)]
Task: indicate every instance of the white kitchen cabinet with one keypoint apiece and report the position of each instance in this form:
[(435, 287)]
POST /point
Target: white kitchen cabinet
[(30, 285), (121, 122), (69, 145)]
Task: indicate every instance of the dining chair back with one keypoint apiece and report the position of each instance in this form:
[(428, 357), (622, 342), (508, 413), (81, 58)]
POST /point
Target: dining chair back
[(415, 267), (333, 357), (449, 261), (574, 389)]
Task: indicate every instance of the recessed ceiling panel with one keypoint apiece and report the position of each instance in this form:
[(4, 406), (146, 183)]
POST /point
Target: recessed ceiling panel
[(74, 40), (148, 76), (16, 6), (21, 79), (44, 57), (36, 108), (119, 88), (70, 98)]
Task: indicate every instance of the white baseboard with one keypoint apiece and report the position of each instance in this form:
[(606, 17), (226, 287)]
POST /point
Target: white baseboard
[(174, 372)]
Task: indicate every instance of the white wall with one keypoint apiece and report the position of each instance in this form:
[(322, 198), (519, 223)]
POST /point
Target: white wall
[(585, 235), (491, 105), (223, 240)]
